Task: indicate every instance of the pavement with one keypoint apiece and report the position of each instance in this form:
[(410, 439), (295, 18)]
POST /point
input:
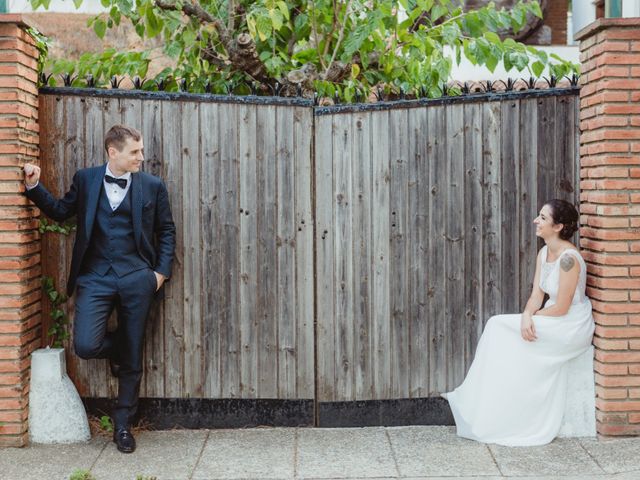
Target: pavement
[(416, 452)]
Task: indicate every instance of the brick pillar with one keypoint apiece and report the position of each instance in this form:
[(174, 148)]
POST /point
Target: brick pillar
[(610, 208), (19, 244)]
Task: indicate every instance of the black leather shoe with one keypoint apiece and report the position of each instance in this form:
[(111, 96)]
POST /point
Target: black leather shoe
[(114, 367), (124, 440)]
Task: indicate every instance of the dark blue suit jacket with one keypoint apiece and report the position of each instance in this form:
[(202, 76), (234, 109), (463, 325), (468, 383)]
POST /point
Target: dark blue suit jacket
[(151, 215)]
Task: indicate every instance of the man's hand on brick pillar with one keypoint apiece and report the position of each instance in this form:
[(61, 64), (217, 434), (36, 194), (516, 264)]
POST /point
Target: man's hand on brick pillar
[(31, 175)]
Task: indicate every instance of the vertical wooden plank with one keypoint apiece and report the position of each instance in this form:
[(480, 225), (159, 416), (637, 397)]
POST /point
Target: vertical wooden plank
[(303, 128), (546, 150), (455, 238), (436, 288), (286, 255), (492, 229), (190, 173), (564, 149), (153, 381), (174, 290), (399, 153), (417, 261), (267, 210), (528, 193), (73, 155), (325, 329), (473, 228), (210, 250), (361, 207), (229, 209), (380, 233), (248, 308), (343, 254), (510, 212), (105, 113)]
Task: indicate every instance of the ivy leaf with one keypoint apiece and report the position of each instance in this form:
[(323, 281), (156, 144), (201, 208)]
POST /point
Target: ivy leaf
[(537, 68), (100, 27), (153, 25)]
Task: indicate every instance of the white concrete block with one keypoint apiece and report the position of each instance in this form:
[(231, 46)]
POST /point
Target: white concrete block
[(56, 413), (580, 411)]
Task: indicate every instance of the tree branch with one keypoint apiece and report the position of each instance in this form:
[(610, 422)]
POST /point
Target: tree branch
[(340, 37)]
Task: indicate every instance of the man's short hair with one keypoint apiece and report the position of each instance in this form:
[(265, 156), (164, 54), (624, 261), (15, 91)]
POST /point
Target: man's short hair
[(117, 136)]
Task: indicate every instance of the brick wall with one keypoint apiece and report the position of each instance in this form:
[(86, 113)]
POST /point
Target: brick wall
[(19, 245), (556, 18), (610, 207)]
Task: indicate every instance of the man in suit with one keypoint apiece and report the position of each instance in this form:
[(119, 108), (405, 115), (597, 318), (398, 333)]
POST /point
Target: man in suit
[(123, 251)]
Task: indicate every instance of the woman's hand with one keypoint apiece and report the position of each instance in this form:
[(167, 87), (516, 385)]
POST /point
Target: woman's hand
[(527, 327)]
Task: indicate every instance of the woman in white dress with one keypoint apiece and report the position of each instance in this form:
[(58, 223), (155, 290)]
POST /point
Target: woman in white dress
[(514, 392)]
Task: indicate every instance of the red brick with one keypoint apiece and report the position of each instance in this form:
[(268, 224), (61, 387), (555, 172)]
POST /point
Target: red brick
[(612, 283), (608, 295), (616, 406), (617, 357), (614, 430), (612, 418), (627, 332), (607, 344), (610, 369), (611, 393)]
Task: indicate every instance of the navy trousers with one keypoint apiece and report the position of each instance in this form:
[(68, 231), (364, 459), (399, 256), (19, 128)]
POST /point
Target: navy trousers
[(131, 296)]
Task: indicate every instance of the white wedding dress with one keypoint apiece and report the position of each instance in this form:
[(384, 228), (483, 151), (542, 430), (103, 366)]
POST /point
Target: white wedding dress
[(514, 393)]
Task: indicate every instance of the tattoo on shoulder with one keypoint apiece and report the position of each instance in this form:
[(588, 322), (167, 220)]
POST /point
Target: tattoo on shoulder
[(567, 263)]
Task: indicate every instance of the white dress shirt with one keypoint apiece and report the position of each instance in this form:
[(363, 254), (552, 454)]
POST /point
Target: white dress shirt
[(115, 194)]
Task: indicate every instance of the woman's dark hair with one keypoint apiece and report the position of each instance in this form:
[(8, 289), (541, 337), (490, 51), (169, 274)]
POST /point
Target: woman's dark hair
[(565, 213)]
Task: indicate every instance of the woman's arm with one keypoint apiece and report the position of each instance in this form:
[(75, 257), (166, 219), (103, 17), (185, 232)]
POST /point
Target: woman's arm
[(527, 327), (569, 274), (537, 295)]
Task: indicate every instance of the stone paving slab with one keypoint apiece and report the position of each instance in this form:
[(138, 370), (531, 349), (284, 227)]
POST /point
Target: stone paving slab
[(438, 451), (344, 453), (49, 461), (167, 455), (615, 455), (251, 453), (561, 457)]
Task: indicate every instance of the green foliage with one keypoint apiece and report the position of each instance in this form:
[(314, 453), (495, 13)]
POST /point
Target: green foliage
[(82, 475), (145, 477), (106, 424), (54, 227), (42, 44), (58, 331), (346, 48)]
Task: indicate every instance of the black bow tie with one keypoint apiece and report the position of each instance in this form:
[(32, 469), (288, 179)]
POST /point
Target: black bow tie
[(121, 182)]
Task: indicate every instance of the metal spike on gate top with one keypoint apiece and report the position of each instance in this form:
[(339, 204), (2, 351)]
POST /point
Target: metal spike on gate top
[(466, 89), (573, 81), (115, 82), (531, 84), (316, 99), (67, 79), (356, 96), (379, 94), (253, 86), (277, 88), (489, 86), (208, 87), (336, 98), (445, 90), (551, 81), (402, 94), (184, 85), (138, 83), (298, 90), (91, 82), (229, 87), (510, 84), (161, 84), (44, 79)]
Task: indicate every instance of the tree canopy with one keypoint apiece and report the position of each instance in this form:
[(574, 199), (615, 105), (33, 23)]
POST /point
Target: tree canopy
[(298, 47)]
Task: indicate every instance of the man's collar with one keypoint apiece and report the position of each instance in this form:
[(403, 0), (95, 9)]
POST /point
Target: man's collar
[(126, 176)]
